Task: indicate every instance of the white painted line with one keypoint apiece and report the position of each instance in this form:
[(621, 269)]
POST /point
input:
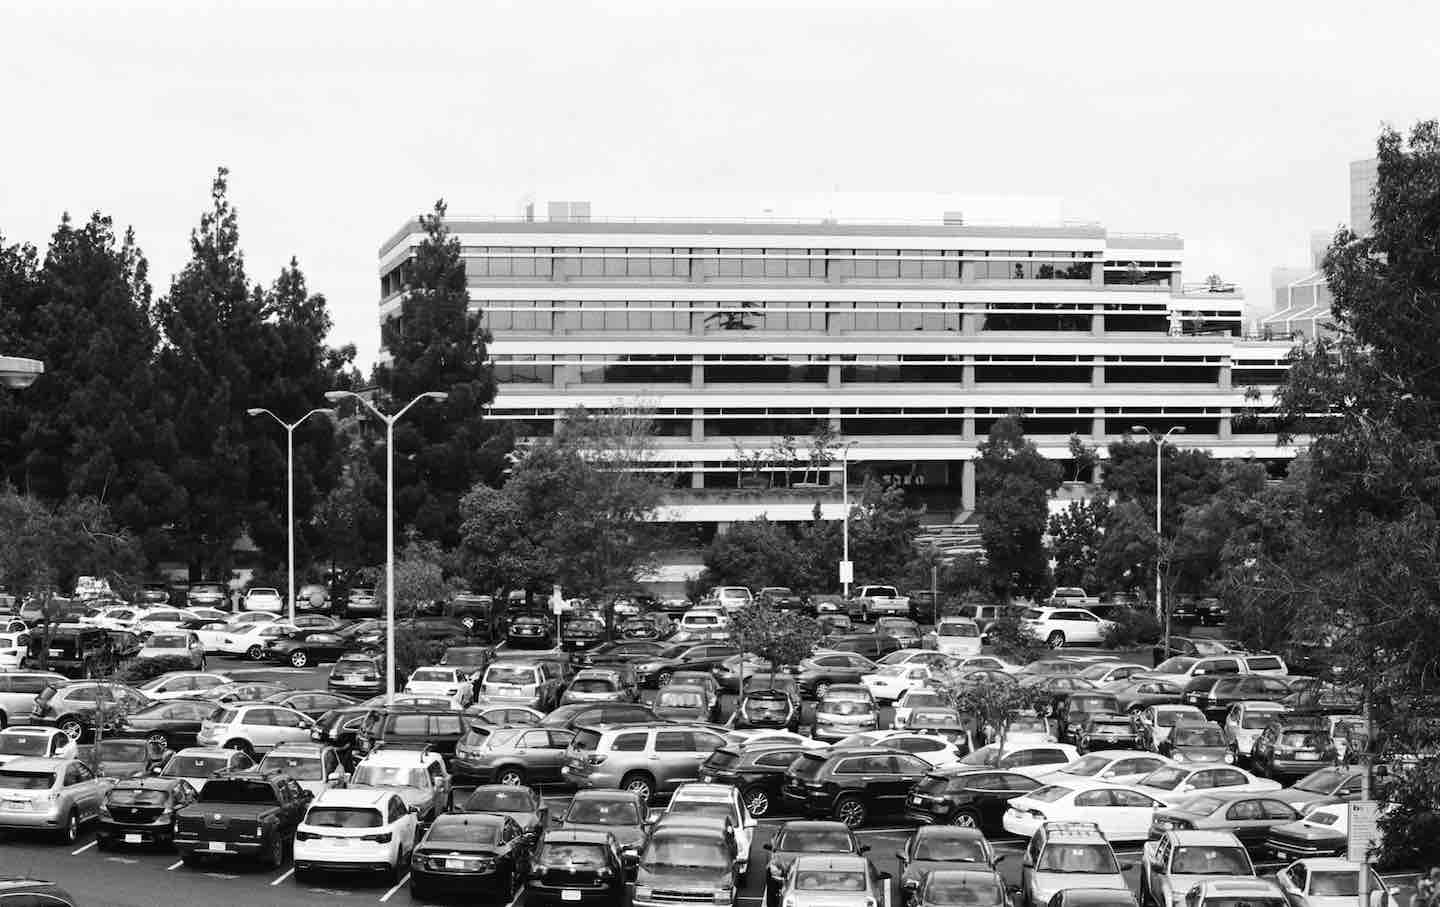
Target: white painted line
[(126, 860), (174, 866), (398, 885), (520, 894), (288, 873), (84, 847)]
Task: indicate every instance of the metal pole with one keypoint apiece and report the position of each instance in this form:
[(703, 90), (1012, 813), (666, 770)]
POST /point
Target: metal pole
[(845, 517), (1159, 606), (1365, 794), (290, 509), (390, 554)]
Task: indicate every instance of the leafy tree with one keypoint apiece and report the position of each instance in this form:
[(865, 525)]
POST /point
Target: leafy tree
[(1013, 486), (419, 577), (1076, 534), (1128, 548), (994, 705), (436, 344), (753, 553), (816, 564), (882, 531), (780, 637)]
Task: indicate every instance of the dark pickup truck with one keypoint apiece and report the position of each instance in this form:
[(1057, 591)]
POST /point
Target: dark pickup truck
[(242, 814)]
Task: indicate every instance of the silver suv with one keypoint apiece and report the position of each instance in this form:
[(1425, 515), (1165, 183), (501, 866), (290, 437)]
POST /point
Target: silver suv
[(644, 758)]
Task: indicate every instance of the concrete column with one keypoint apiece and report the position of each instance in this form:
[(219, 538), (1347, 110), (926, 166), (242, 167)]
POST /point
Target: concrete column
[(967, 485), (832, 375), (970, 324), (1097, 376), (697, 375), (1225, 377), (697, 425), (1097, 272), (1097, 324), (1227, 430), (967, 428), (697, 480), (967, 375), (1097, 423), (835, 420)]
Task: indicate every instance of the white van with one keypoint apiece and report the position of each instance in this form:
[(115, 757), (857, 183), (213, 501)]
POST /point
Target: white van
[(732, 598), (957, 636)]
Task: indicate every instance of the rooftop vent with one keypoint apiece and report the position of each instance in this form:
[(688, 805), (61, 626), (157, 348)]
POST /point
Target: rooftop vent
[(954, 218), (569, 212)]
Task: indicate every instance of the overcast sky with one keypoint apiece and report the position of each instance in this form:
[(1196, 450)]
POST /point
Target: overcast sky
[(1231, 123)]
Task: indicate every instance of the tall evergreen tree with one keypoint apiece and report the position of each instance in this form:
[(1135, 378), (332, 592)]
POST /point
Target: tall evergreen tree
[(437, 344), (1013, 486)]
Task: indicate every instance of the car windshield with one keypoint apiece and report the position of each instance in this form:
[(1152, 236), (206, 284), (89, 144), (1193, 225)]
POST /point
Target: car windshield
[(705, 809), (701, 620), (1322, 782), (951, 849), (1204, 806), (766, 705), (1172, 717), (683, 851), (344, 817), (684, 699), (456, 830), (195, 766), (1256, 721), (167, 641), (1326, 817), (1177, 665), (1301, 740), (1165, 778), (1087, 766), (816, 840), (122, 750), (592, 685), (503, 674), (433, 675), (26, 780), (389, 776), (1198, 736), (829, 880), (494, 800), (602, 812), (21, 744), (1210, 860), (1028, 726), (964, 890), (967, 629), (565, 853), (917, 698), (1079, 858), (137, 797), (846, 707), (298, 768), (1049, 793)]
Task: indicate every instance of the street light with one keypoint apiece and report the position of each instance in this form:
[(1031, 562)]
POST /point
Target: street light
[(336, 397), (290, 483), (847, 570), (1159, 444)]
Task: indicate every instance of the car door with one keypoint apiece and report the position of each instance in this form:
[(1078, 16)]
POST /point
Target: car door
[(901, 773), (542, 760), (1132, 811), (258, 726), (702, 745), (1247, 821), (87, 789), (999, 788), (1082, 626)]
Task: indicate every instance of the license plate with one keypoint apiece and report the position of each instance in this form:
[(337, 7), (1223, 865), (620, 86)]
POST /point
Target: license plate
[(218, 846), (17, 804), (916, 801), (1281, 855), (1307, 757), (569, 894), (132, 839), (54, 653), (455, 864), (341, 842), (351, 678), (707, 778)]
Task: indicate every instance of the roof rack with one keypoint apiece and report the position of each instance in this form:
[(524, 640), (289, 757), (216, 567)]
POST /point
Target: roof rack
[(419, 746), (1072, 826)]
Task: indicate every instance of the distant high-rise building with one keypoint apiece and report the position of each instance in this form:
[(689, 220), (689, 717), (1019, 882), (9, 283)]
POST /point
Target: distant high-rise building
[(1362, 190)]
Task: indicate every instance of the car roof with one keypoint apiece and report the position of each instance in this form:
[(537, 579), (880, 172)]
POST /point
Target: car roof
[(352, 796), (1241, 887), (1328, 864), (1071, 831), (1203, 837), (399, 756), (700, 790), (297, 748), (603, 794), (841, 862), (950, 832), (577, 836), (30, 729), (205, 751)]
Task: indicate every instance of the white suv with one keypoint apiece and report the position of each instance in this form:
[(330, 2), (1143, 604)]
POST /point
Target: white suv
[(1063, 626), (355, 830), (717, 800), (254, 727), (449, 682), (416, 776)]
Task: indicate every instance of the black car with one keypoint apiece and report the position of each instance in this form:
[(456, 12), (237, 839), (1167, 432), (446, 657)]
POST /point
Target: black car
[(934, 847), (801, 838), (432, 629), (1210, 612), (969, 797), (1314, 697), (17, 890), (141, 812), (1079, 707), (1197, 690), (685, 656), (1231, 689), (306, 647), (781, 598), (172, 724), (468, 853), (621, 813), (472, 610), (522, 805), (311, 703), (591, 713), (339, 728), (623, 652), (771, 709), (530, 631), (758, 772), (873, 646), (588, 862), (1107, 732), (407, 726), (852, 784), (580, 633)]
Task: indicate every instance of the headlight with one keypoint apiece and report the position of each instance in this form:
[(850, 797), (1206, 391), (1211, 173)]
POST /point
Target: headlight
[(1229, 757), (643, 892), (777, 873)]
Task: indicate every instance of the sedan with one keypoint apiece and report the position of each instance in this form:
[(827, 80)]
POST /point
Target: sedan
[(978, 888), (504, 715), (626, 652), (1122, 814), (251, 691), (465, 854), (306, 647), (196, 765), (264, 599), (168, 725), (39, 742), (656, 672), (118, 757), (620, 813), (891, 681), (181, 685), (1197, 743), (1174, 783), (311, 703), (250, 639), (211, 633), (1110, 766), (1249, 817), (443, 681), (821, 881), (1139, 693), (934, 847), (796, 839)]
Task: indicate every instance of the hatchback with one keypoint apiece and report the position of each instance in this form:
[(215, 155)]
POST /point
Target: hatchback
[(1289, 746)]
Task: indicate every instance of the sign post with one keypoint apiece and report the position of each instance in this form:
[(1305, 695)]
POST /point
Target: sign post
[(557, 606), (1363, 834), (847, 573)]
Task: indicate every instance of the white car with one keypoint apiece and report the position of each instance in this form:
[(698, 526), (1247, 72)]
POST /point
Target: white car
[(245, 618), (732, 598), (1109, 766), (154, 620), (1174, 783), (181, 684), (445, 682), (1028, 729), (250, 639), (14, 648), (212, 635), (1247, 720), (196, 765), (313, 766), (939, 751), (1064, 626), (263, 598), (1122, 814), (700, 799), (22, 741), (919, 697), (174, 644), (254, 727), (763, 736), (117, 617), (1182, 668), (1033, 759), (700, 624), (209, 614), (891, 681), (1331, 882), (984, 663), (957, 636), (362, 827)]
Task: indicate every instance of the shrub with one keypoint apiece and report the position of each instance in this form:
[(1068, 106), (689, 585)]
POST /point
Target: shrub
[(1410, 825), (140, 670), (1133, 627), (1009, 640)]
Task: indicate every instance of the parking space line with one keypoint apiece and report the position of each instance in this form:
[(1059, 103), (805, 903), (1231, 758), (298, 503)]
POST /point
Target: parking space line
[(288, 873), (398, 885), (174, 866), (84, 847)]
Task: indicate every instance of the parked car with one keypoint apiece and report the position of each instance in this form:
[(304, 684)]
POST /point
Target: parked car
[(261, 814), (20, 689), (530, 631), (694, 801), (587, 862), (621, 814), (599, 685), (781, 598), (316, 767), (756, 771), (584, 632), (1323, 831), (535, 684), (1026, 758), (1227, 691), (21, 741), (656, 672), (1064, 626), (78, 707), (1222, 892), (141, 812), (1078, 708), (198, 765), (939, 847), (419, 776), (171, 724), (73, 650), (852, 785), (957, 636), (361, 601), (254, 728), (845, 709), (443, 681), (871, 645), (357, 675), (400, 725), (50, 796), (264, 598), (1120, 813), (799, 838), (1329, 785), (1154, 723), (510, 755), (14, 649), (1331, 882), (121, 757), (904, 630), (306, 647), (523, 805), (1173, 783), (1289, 746), (1197, 742), (1111, 766), (645, 759), (583, 714), (683, 704), (469, 853), (621, 652), (177, 644), (1177, 861), (1250, 817), (207, 595), (686, 862), (361, 831), (1244, 723), (1063, 855), (766, 708), (819, 881)]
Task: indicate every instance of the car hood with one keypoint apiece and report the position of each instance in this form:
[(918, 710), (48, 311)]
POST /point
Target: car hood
[(625, 834), (687, 878), (783, 858), (1308, 831), (918, 868), (1200, 753)]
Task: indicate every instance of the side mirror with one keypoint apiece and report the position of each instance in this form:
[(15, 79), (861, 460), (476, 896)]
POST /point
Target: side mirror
[(911, 885), (1126, 867), (768, 845), (998, 858), (653, 815)]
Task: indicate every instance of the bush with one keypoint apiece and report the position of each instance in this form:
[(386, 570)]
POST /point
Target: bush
[(1410, 826), (140, 670), (1012, 642), (1133, 627)]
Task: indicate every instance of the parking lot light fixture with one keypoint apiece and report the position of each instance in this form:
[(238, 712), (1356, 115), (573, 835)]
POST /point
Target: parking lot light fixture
[(1159, 441)]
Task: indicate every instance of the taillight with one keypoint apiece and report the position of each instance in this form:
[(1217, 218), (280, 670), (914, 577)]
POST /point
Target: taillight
[(305, 835), (382, 838)]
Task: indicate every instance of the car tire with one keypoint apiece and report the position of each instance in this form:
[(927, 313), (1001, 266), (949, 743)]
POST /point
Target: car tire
[(851, 811), (965, 818), (157, 739), (639, 783), (71, 727), (515, 777), (242, 746), (255, 653), (299, 659), (821, 689), (274, 855), (1055, 640), (662, 679), (757, 801), (70, 831)]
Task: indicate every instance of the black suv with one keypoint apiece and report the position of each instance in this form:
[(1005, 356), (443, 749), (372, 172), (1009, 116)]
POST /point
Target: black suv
[(969, 797), (1078, 708), (586, 862), (770, 709), (758, 772), (398, 725), (852, 784), (73, 650)]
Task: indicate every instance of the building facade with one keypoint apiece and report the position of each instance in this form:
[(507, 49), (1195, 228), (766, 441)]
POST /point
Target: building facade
[(906, 342)]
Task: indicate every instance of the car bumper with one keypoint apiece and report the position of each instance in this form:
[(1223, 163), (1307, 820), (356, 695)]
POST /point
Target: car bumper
[(119, 832), (834, 732), (372, 687), (589, 780), (1019, 824), (532, 702), (354, 856), (1286, 849), (474, 772), (25, 818), (1295, 767), (200, 847), (811, 803), (551, 895)]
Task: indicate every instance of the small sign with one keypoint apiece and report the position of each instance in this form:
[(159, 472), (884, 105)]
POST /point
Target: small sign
[(847, 571), (1364, 835)]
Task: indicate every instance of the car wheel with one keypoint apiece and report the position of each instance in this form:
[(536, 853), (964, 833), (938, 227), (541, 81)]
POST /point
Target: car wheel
[(274, 854), (821, 689), (965, 818), (514, 777), (757, 802), (299, 658), (70, 831), (662, 678), (4, 721), (72, 728), (851, 811), (639, 783), (157, 740), (242, 746), (1055, 640), (254, 653)]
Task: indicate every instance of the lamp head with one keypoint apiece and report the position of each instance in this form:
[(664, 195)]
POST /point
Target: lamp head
[(337, 396), (254, 411), (1139, 430), (440, 396), (1177, 430)]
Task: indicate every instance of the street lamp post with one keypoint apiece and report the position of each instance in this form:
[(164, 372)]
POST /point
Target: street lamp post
[(1160, 611), (847, 570), (335, 397), (290, 485)]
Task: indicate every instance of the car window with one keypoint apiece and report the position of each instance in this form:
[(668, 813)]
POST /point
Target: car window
[(855, 766), (1122, 797), (1245, 811), (673, 742), (705, 741), (629, 743), (1094, 798), (919, 744), (259, 717), (1011, 781)]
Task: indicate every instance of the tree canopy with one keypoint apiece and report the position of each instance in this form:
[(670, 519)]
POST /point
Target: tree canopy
[(1013, 487)]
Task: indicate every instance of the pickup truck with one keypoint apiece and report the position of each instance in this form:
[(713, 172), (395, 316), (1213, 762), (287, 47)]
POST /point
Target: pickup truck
[(1071, 597), (242, 814), (881, 601)]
